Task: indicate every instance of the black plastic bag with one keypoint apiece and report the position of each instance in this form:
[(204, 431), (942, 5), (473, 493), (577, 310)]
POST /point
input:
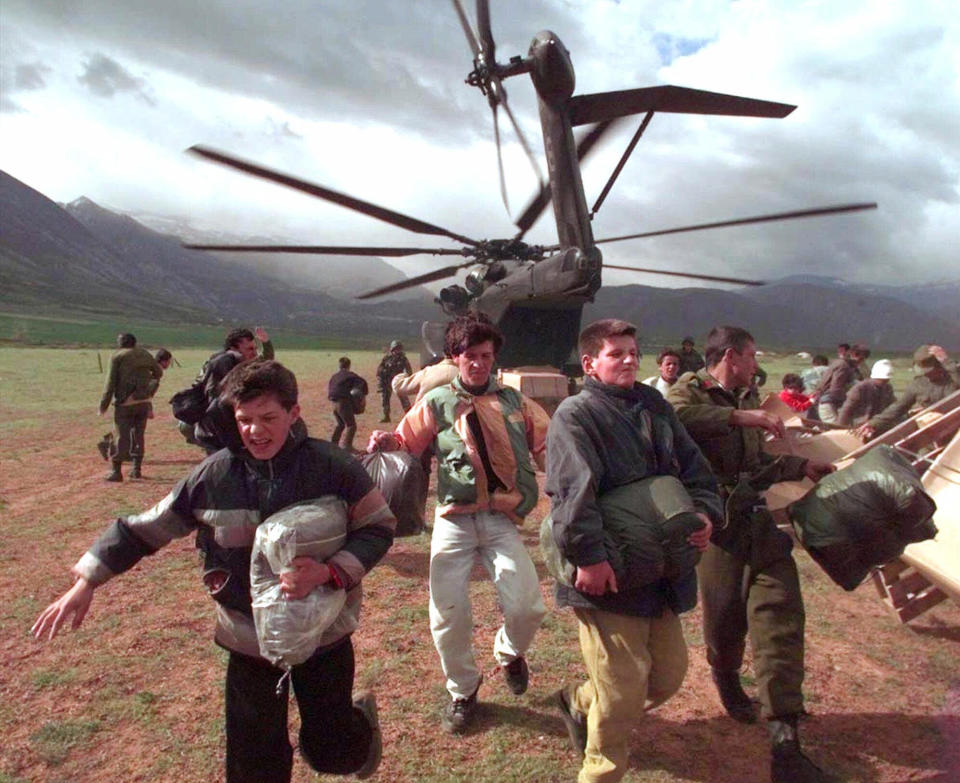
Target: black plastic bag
[(402, 481), (864, 515)]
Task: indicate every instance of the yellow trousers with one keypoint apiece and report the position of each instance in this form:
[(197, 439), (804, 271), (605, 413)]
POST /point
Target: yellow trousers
[(633, 664)]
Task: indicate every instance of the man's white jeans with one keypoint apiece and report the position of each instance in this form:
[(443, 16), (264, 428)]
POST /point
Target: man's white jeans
[(457, 539)]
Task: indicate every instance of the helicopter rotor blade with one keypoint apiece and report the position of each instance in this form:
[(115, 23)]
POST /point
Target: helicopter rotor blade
[(429, 277), (465, 24), (539, 202), (339, 250), (496, 137), (692, 275), (502, 97), (668, 98), (802, 213), (357, 205), (487, 46)]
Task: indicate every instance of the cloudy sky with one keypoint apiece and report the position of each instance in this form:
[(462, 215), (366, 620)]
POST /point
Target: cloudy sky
[(101, 97)]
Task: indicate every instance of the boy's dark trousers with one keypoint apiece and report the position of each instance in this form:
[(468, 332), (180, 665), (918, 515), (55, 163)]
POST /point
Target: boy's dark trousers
[(334, 735)]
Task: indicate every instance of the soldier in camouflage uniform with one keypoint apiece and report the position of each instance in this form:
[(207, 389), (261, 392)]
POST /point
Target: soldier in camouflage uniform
[(748, 579), (393, 363)]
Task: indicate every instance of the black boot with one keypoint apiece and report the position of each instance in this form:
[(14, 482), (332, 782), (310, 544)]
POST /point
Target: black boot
[(135, 470), (788, 764), (115, 475), (735, 701)]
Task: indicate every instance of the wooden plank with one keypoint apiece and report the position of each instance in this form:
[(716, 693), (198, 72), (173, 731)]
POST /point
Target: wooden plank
[(907, 587), (941, 428), (938, 559), (909, 426), (890, 571), (920, 604)]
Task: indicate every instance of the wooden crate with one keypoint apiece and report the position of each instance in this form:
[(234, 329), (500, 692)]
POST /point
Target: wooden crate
[(906, 591)]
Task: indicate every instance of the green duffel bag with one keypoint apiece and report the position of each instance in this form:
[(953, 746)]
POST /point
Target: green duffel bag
[(864, 515), (649, 522), (646, 526)]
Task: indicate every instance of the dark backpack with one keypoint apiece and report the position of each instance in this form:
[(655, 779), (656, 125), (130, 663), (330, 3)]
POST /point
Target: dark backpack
[(190, 405)]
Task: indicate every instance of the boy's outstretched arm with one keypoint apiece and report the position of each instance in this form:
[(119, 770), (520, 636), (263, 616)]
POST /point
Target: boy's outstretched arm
[(76, 602)]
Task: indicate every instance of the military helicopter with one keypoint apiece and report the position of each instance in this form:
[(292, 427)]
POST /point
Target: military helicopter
[(534, 293)]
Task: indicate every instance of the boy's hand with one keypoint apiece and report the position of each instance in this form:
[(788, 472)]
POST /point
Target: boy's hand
[(76, 602), (381, 440), (261, 334), (596, 579), (305, 574), (701, 538)]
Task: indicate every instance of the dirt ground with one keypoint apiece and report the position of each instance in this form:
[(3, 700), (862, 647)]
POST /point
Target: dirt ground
[(135, 693)]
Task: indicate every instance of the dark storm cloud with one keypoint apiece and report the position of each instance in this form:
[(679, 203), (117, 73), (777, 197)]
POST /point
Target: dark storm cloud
[(105, 77), (368, 60)]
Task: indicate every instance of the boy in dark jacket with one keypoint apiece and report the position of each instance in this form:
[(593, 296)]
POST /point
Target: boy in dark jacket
[(615, 432), (224, 499)]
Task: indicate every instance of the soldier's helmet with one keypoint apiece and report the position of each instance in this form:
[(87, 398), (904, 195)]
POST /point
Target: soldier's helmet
[(396, 345)]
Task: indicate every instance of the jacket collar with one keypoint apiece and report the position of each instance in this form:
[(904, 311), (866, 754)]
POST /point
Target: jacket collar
[(492, 388), (638, 396)]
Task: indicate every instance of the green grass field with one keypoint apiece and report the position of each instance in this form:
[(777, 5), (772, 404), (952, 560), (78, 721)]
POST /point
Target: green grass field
[(135, 693)]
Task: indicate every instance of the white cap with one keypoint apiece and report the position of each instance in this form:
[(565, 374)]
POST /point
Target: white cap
[(882, 369)]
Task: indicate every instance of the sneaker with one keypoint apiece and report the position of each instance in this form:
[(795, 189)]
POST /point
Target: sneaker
[(367, 704), (576, 722), (517, 675), (459, 713)]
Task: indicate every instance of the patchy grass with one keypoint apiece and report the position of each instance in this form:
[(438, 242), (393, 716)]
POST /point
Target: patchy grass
[(136, 692), (55, 739)]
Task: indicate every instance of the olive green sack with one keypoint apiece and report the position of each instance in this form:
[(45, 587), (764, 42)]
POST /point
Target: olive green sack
[(646, 526)]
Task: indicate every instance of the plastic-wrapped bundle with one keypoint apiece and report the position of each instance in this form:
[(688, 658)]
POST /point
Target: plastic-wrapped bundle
[(649, 522), (646, 526), (290, 630), (864, 515), (400, 478)]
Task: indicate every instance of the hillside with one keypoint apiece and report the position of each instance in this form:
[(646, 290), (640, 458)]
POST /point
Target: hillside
[(780, 315), (85, 259)]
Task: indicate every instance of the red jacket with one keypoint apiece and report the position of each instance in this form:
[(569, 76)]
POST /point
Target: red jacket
[(796, 400)]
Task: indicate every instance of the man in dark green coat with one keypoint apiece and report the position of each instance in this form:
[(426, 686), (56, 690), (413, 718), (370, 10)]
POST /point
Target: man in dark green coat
[(133, 379), (748, 579)]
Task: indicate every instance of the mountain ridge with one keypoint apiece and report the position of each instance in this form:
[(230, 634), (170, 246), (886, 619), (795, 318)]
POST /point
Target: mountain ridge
[(84, 258)]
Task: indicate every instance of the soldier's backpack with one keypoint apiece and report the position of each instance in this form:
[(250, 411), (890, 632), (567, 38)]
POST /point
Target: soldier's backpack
[(190, 405)]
